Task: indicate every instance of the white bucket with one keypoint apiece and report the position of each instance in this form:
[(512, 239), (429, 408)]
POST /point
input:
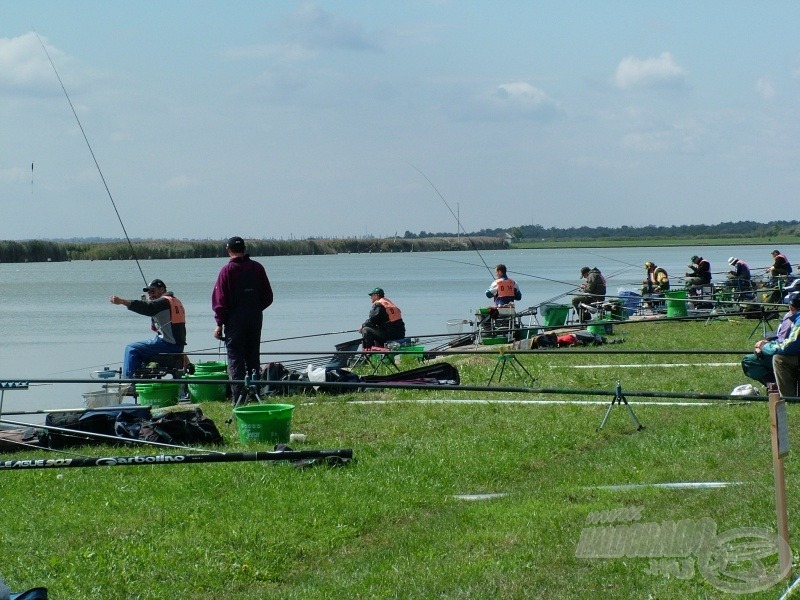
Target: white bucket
[(456, 325), (105, 397)]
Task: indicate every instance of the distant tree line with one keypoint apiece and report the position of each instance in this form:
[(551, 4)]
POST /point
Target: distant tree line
[(57, 251), (485, 239), (739, 229)]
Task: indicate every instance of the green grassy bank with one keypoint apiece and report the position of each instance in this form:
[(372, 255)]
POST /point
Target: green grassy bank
[(393, 524)]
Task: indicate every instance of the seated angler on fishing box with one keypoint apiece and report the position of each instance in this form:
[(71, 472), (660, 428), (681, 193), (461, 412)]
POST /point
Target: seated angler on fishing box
[(504, 290), (167, 319), (384, 322)]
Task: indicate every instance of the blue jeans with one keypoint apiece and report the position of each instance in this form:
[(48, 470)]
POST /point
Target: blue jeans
[(137, 353)]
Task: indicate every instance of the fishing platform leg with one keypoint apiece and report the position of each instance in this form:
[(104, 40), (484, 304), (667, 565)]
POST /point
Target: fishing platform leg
[(619, 398)]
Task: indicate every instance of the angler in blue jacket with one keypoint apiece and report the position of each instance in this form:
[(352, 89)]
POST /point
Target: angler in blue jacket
[(786, 354), (504, 290)]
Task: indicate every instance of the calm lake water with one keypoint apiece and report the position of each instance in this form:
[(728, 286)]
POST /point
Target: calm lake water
[(57, 322)]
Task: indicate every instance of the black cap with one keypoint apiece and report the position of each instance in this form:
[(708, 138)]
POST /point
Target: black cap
[(795, 301), (156, 283), (236, 244), (585, 270), (376, 290)]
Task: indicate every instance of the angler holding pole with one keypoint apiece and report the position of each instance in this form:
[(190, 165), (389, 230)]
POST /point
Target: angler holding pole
[(595, 289), (167, 319)]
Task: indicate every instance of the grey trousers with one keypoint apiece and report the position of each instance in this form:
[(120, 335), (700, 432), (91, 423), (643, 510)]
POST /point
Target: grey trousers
[(786, 370)]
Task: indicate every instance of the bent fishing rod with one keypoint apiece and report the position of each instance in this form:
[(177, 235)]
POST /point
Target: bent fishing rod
[(173, 459), (458, 222), (96, 164)]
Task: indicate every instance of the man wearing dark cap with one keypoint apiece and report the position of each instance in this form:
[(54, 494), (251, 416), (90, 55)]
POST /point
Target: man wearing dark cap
[(241, 293), (595, 291), (384, 322), (699, 272), (167, 319)]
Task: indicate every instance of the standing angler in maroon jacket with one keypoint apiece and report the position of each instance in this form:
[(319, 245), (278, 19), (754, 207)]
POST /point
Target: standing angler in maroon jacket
[(240, 295)]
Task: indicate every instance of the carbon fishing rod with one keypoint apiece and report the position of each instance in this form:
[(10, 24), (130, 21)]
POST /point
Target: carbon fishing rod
[(174, 459), (458, 222), (510, 271), (614, 259), (296, 337), (96, 164)]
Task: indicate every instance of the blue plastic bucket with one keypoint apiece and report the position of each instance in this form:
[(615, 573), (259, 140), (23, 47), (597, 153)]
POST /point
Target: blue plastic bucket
[(631, 302)]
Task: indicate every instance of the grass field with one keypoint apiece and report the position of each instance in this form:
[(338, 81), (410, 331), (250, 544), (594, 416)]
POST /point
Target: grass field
[(403, 520)]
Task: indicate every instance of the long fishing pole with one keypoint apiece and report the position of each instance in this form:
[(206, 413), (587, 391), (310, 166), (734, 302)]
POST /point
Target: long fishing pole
[(458, 222), (173, 459), (461, 262), (96, 164), (295, 337), (614, 259)]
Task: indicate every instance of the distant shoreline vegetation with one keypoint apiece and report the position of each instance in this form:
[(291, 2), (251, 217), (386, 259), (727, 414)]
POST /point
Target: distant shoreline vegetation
[(61, 251), (527, 236)]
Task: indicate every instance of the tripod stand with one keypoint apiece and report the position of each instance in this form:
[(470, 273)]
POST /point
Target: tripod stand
[(620, 399), (764, 319), (515, 364)]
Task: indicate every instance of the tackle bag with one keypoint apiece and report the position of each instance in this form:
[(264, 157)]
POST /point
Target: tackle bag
[(275, 372), (102, 421), (184, 427)]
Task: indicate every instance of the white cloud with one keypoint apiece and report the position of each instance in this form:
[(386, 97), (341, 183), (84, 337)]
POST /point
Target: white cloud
[(662, 71), (288, 52), (765, 88), (321, 29), (14, 175), (520, 99), (23, 63), (180, 182), (655, 141)]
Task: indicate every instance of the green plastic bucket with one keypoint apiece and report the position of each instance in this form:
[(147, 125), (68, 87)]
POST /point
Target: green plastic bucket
[(555, 315), (270, 423), (208, 392), (600, 327), (158, 394), (676, 303), (215, 366)]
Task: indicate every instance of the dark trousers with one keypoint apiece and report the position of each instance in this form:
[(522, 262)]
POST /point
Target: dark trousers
[(243, 342), (373, 336)]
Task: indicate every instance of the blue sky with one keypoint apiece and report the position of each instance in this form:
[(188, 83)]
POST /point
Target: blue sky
[(295, 119)]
